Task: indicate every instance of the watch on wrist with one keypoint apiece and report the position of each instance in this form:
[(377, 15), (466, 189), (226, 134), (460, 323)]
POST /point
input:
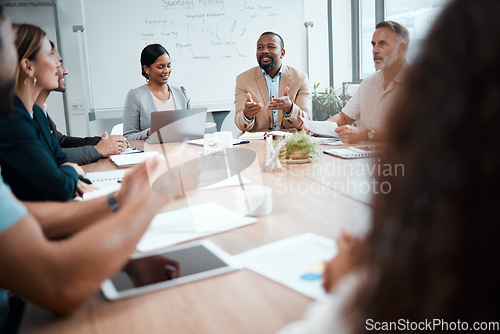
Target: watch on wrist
[(113, 204), (371, 134)]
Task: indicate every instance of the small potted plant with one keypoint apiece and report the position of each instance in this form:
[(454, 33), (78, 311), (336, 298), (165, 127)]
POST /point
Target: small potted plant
[(301, 147)]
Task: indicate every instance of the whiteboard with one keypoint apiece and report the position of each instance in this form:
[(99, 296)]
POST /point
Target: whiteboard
[(210, 42)]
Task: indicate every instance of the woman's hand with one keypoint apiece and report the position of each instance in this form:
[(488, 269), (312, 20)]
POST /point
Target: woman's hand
[(343, 263)]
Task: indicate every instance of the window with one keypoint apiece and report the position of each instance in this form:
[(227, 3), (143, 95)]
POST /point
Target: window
[(416, 15), (367, 26)]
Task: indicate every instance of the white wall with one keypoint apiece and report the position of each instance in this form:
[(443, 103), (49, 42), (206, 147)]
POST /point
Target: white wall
[(69, 15), (42, 16)]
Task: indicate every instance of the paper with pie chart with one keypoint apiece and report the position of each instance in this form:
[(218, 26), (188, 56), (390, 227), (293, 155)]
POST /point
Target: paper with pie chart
[(296, 262)]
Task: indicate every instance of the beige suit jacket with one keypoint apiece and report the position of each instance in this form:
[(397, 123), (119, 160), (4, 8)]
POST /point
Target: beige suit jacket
[(253, 82)]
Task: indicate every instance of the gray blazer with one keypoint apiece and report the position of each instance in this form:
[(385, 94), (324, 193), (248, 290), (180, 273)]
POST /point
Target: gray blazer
[(138, 107)]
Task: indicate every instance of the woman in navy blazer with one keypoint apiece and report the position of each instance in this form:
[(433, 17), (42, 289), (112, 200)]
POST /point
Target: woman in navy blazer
[(32, 161), (156, 95)]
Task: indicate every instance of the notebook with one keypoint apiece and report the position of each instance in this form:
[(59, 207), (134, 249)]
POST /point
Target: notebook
[(354, 152), (177, 125), (105, 182)]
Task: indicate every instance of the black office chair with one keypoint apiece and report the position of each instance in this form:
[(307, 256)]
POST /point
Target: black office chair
[(218, 117)]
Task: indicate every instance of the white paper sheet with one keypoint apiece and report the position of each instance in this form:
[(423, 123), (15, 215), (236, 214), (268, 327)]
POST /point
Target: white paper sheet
[(252, 135), (127, 160), (174, 227), (130, 150), (296, 262), (321, 128), (200, 142)]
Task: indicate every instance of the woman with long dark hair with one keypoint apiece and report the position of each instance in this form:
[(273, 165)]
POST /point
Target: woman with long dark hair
[(157, 94), (432, 252)]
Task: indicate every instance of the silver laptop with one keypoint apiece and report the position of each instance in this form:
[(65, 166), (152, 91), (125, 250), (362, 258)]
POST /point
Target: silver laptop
[(177, 125)]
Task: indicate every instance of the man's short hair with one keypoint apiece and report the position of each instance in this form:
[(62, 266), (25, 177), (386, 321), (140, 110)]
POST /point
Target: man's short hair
[(282, 43), (398, 28)]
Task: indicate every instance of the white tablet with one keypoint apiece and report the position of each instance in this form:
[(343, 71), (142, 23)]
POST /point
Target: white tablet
[(178, 265)]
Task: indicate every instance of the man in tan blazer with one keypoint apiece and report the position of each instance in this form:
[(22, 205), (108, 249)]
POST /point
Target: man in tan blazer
[(271, 96)]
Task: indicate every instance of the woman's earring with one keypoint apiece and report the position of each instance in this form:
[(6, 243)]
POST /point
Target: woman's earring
[(34, 81)]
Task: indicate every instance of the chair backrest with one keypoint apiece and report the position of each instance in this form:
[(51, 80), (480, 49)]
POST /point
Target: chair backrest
[(117, 129), (218, 117)]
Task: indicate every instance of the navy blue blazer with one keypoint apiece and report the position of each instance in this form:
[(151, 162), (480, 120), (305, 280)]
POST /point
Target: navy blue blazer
[(31, 158), (79, 150)]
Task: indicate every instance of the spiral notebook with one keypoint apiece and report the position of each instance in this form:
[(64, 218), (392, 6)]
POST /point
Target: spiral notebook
[(354, 152), (106, 182)]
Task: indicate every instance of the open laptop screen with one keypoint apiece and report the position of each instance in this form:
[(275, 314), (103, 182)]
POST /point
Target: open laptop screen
[(177, 125)]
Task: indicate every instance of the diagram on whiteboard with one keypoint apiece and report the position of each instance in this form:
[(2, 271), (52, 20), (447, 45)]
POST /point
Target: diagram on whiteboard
[(205, 29), (209, 41)]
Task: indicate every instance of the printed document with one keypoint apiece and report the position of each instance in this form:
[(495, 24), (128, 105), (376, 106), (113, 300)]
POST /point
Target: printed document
[(173, 227), (296, 262), (321, 128)]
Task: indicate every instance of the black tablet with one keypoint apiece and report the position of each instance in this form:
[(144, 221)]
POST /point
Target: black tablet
[(178, 265)]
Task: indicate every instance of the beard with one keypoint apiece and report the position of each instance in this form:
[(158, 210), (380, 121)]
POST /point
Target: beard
[(7, 97), (269, 66), (388, 60)]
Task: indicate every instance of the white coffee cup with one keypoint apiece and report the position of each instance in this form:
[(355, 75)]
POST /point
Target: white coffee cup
[(225, 139)]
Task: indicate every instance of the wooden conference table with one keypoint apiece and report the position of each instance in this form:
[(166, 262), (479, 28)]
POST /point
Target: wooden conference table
[(319, 197)]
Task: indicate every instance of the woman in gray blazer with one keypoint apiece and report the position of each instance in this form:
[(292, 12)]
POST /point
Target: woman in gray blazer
[(155, 95)]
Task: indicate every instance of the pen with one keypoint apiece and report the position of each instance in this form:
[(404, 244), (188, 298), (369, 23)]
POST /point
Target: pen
[(84, 179), (242, 142)]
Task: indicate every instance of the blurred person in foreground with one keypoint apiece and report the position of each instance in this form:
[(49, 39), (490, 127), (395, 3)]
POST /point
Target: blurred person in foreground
[(100, 234), (432, 252)]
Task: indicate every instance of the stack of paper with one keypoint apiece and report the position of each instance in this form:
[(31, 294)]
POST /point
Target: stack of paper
[(174, 227)]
